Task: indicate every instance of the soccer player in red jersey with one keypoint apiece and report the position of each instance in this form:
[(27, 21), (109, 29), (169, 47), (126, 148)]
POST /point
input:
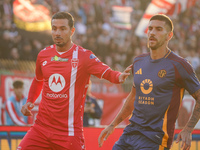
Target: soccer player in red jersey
[(160, 79), (63, 71)]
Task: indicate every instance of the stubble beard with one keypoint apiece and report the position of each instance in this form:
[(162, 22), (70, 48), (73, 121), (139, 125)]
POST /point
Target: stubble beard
[(156, 46), (60, 44), (153, 47)]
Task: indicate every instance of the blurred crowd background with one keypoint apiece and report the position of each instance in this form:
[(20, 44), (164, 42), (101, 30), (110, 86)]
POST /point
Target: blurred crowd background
[(95, 31)]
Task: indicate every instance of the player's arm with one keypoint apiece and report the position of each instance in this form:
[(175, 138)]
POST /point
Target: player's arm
[(117, 77), (125, 74), (188, 80), (34, 91), (97, 68), (123, 114), (186, 133)]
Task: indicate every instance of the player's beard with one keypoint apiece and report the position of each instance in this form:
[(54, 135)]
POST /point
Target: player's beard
[(60, 44), (155, 46)]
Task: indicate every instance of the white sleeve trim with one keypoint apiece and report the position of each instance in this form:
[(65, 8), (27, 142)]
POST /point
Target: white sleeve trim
[(37, 79), (104, 72)]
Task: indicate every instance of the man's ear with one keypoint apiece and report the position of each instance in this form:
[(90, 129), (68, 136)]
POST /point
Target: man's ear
[(72, 31), (170, 35)]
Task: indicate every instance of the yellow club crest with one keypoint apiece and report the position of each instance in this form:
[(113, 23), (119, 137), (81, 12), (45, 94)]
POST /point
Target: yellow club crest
[(162, 73)]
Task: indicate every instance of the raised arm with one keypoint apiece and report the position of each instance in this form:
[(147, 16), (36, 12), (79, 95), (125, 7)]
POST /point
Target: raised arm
[(186, 133), (125, 74), (115, 76), (123, 114)]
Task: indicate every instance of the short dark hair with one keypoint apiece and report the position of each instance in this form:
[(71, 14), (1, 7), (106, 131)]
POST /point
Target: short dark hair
[(18, 84), (164, 18), (64, 15)]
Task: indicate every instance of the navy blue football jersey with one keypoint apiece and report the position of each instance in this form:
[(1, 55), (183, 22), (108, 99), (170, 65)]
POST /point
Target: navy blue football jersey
[(160, 86)]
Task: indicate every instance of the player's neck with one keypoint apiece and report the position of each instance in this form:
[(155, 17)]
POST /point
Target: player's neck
[(158, 53), (19, 97), (65, 47)]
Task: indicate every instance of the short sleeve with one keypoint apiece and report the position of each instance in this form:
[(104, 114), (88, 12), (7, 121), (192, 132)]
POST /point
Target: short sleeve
[(188, 78)]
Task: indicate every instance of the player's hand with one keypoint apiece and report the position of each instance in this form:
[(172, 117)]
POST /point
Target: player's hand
[(186, 137), (26, 109), (125, 74), (104, 134)]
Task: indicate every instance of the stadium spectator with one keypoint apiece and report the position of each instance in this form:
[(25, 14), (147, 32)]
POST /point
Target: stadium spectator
[(14, 54), (80, 26), (92, 109), (193, 58), (5, 44), (27, 52), (14, 104), (94, 13), (6, 9)]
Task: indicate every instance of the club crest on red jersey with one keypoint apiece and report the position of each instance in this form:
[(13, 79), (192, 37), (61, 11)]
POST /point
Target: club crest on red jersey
[(74, 62)]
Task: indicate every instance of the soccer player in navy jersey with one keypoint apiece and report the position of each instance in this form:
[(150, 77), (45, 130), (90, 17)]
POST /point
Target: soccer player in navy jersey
[(63, 71), (160, 78)]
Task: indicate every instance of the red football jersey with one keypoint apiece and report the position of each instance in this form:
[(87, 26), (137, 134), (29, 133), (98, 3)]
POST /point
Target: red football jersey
[(65, 80)]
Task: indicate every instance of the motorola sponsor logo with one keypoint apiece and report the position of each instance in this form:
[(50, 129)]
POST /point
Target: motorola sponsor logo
[(53, 95), (56, 82)]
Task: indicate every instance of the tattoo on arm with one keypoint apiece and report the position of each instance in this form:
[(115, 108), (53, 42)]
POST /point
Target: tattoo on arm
[(196, 95), (196, 112)]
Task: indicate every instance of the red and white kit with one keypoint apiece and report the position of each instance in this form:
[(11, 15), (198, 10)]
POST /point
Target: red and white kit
[(64, 78)]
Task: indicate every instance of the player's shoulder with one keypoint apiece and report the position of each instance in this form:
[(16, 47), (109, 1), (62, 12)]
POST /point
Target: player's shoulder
[(11, 99), (176, 59), (46, 50), (141, 57), (179, 61), (86, 53), (83, 50)]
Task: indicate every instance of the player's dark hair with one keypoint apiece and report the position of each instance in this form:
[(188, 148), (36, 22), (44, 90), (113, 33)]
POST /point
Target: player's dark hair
[(166, 19), (18, 84), (64, 15)]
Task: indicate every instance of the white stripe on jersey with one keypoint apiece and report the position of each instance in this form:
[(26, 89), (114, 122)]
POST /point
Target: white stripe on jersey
[(104, 73), (37, 79), (13, 115), (72, 94)]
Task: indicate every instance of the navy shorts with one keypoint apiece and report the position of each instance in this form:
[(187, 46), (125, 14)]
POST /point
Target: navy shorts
[(136, 141)]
